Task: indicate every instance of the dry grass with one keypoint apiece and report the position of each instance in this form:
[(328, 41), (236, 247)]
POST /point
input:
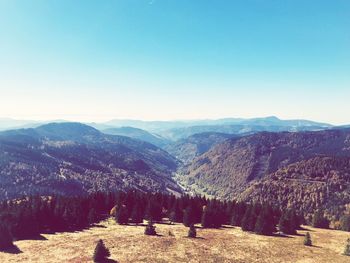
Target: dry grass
[(129, 244)]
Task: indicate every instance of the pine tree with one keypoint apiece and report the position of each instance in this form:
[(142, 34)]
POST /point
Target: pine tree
[(189, 216), (121, 216), (5, 237), (245, 223), (237, 214), (206, 218), (136, 214), (286, 225), (176, 214), (307, 239), (154, 211), (192, 231), (210, 218), (294, 219), (319, 220), (92, 216), (101, 253), (265, 224), (150, 229)]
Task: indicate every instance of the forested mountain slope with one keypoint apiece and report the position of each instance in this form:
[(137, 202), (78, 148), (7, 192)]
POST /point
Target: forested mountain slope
[(227, 169), (320, 182), (189, 148), (72, 158)]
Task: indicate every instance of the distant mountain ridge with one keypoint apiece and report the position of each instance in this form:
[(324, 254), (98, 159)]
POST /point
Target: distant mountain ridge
[(175, 130), (139, 134), (165, 125), (73, 158), (188, 148)]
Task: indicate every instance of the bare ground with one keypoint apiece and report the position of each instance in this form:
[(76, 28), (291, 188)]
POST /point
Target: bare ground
[(129, 244)]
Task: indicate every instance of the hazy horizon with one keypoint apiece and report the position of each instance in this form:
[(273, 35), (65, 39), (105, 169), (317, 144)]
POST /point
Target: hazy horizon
[(175, 60), (103, 121)]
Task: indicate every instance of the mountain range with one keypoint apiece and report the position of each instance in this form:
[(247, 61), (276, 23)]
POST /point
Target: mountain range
[(298, 163)]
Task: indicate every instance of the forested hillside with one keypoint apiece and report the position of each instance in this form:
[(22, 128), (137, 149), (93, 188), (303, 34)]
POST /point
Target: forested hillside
[(189, 148), (308, 185), (229, 168), (72, 158)]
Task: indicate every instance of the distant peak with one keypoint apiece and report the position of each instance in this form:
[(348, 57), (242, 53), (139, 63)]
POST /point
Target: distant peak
[(65, 128), (272, 118)]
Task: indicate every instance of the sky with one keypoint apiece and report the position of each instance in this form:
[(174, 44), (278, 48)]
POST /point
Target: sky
[(175, 59)]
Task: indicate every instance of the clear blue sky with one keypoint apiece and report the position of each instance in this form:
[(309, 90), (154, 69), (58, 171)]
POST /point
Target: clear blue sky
[(175, 59)]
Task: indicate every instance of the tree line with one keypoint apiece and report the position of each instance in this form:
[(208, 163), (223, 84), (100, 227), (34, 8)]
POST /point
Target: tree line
[(30, 216)]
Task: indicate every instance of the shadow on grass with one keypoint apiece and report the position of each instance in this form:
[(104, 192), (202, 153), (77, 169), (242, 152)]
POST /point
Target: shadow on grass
[(280, 235), (201, 238), (305, 229), (130, 224), (108, 260), (315, 246), (12, 250), (98, 226), (38, 237), (227, 227)]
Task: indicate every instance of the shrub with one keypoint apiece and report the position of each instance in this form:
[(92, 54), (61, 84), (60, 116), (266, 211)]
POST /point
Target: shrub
[(345, 223), (192, 231), (347, 248), (150, 229), (307, 239)]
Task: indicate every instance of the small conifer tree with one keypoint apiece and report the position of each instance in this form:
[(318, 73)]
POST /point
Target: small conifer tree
[(192, 231), (307, 239), (101, 253), (347, 248), (150, 229)]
